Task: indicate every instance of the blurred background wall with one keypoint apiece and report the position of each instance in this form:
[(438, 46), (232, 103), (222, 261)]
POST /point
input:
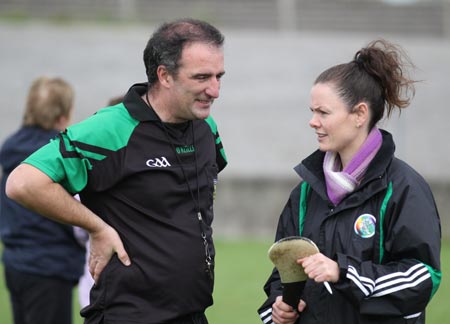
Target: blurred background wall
[(274, 50)]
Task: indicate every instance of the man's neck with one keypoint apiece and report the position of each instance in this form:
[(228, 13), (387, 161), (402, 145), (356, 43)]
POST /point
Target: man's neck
[(156, 104)]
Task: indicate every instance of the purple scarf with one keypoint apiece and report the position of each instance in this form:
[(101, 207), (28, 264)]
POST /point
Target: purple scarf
[(341, 183)]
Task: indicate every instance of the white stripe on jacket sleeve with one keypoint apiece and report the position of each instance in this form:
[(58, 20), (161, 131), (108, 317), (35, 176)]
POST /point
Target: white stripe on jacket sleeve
[(390, 283), (266, 316)]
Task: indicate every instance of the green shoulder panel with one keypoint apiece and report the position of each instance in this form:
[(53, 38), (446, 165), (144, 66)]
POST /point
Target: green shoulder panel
[(67, 159), (212, 124), (70, 173), (110, 128)]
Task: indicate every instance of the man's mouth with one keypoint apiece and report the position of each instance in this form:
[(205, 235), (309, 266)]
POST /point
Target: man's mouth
[(205, 102)]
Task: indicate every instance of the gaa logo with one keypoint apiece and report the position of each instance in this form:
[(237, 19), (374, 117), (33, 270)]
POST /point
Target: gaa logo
[(158, 163)]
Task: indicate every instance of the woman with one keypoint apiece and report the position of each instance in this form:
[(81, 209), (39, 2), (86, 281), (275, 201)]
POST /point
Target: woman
[(371, 215)]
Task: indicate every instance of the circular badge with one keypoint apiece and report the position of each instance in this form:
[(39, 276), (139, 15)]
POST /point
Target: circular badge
[(365, 225)]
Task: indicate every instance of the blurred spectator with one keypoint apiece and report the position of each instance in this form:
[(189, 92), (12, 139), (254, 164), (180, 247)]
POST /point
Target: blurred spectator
[(43, 260)]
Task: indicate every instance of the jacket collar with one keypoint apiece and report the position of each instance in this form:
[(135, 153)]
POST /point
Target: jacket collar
[(311, 168), (137, 107)]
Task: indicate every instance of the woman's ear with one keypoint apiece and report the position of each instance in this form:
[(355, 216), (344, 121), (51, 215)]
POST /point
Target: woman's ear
[(361, 111)]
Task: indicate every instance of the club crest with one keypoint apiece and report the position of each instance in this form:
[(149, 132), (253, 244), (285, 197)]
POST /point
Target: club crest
[(365, 225)]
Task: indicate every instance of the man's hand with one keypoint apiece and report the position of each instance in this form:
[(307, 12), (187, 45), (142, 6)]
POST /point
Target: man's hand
[(282, 313), (103, 244), (54, 202)]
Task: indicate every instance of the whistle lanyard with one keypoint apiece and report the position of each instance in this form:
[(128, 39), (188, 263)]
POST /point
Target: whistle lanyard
[(196, 201)]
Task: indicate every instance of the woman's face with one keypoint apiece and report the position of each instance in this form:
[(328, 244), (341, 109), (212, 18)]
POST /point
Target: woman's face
[(337, 128)]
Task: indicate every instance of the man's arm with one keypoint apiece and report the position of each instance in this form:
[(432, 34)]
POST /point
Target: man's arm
[(34, 190)]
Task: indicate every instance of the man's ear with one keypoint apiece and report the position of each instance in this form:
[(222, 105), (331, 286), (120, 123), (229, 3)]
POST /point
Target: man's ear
[(163, 76)]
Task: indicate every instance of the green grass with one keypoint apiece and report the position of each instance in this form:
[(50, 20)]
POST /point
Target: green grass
[(241, 269)]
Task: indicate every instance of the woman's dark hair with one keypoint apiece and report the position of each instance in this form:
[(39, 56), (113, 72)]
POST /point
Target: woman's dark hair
[(167, 43), (375, 76)]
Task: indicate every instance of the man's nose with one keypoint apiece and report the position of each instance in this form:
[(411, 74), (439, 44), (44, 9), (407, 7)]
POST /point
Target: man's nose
[(213, 88)]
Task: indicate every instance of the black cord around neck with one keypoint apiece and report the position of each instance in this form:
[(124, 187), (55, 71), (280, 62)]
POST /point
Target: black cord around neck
[(196, 201), (208, 258)]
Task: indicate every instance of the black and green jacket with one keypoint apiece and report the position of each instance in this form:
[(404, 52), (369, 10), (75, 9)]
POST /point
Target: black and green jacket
[(385, 237), (125, 169)]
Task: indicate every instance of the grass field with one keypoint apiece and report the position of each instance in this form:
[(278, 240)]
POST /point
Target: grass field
[(241, 270)]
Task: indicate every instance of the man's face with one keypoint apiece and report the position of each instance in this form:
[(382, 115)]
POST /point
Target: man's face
[(197, 83)]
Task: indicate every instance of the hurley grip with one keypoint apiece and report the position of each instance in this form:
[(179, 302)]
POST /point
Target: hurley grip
[(292, 292)]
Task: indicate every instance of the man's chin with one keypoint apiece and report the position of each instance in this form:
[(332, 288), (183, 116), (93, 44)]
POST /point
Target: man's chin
[(203, 114)]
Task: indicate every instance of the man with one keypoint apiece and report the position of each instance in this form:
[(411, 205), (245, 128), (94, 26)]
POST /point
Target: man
[(42, 258), (146, 171)]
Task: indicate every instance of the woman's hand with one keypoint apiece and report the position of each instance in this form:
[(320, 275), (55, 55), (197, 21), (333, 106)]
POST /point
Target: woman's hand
[(282, 313), (320, 268)]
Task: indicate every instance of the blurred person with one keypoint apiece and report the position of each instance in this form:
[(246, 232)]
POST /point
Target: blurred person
[(42, 258), (146, 173), (86, 281), (115, 100), (372, 216)]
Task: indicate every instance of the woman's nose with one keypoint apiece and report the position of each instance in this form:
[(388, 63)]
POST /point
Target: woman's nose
[(313, 122)]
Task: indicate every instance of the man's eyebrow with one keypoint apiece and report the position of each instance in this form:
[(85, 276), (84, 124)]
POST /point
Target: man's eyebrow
[(200, 74)]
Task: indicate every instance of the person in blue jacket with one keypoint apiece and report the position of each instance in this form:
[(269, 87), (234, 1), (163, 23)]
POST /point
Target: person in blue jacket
[(372, 216), (42, 258)]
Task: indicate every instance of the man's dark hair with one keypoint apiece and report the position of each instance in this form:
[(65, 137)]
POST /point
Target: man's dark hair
[(167, 43)]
